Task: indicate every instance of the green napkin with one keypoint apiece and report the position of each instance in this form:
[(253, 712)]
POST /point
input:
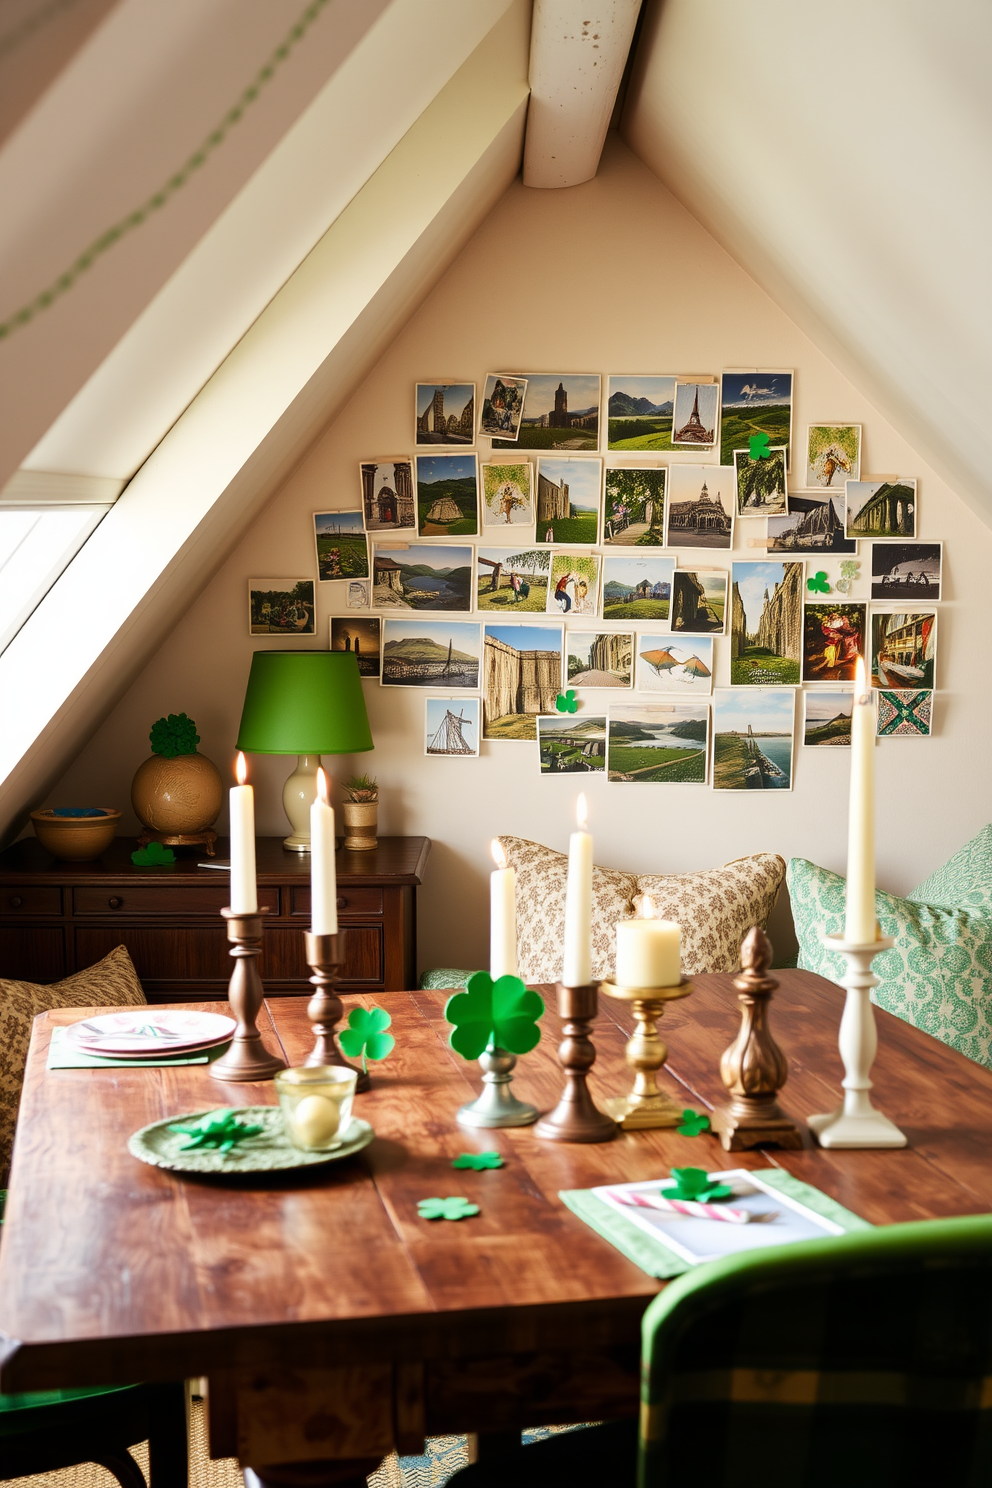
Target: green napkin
[(61, 1056)]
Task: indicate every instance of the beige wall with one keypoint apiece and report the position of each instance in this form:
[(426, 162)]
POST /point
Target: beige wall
[(609, 276)]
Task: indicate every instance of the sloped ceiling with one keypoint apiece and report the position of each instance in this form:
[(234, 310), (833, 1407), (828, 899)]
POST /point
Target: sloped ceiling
[(840, 152)]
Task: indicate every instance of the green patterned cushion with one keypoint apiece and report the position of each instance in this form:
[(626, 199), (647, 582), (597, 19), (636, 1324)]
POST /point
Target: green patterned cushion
[(444, 976), (937, 976), (964, 881)]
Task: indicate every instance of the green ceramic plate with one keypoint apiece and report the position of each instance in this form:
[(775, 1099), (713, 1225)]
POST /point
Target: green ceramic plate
[(270, 1152)]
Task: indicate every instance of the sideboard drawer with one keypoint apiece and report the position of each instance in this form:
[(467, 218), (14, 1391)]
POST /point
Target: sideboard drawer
[(30, 899), (161, 899), (360, 899)]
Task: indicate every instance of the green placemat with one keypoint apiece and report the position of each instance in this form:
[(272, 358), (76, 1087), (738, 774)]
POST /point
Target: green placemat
[(654, 1256), (60, 1057)]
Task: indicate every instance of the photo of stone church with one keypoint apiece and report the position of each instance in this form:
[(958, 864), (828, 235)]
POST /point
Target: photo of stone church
[(387, 496)]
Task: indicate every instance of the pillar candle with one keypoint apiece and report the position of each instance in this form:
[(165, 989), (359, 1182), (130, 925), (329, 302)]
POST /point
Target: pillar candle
[(323, 871), (859, 923), (648, 950), (577, 969), (502, 917), (244, 891)]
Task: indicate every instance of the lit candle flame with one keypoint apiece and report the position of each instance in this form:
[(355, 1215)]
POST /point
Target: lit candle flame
[(581, 811), (861, 694), (322, 786), (648, 910), (241, 769), (499, 856)]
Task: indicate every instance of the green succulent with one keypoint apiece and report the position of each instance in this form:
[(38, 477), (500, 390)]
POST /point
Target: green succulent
[(174, 735)]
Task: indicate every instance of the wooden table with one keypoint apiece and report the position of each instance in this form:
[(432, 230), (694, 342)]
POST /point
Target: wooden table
[(334, 1323)]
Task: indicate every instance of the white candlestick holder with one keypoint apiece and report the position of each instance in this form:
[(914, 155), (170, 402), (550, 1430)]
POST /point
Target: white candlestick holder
[(857, 1123)]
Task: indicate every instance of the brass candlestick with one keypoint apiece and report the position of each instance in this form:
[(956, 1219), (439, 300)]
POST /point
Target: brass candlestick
[(576, 1118), (247, 1058), (325, 954), (754, 1069), (646, 1052)]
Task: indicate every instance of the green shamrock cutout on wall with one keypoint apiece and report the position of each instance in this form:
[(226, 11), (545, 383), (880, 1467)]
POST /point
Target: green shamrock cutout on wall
[(366, 1034), (567, 702), (477, 1160), (758, 446), (504, 1013), (153, 856), (696, 1185), (693, 1123), (221, 1130), (818, 584), (850, 570), (446, 1209)]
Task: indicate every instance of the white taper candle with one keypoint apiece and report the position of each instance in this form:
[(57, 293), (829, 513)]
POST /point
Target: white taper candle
[(577, 968), (502, 917), (323, 871), (859, 921), (244, 890)]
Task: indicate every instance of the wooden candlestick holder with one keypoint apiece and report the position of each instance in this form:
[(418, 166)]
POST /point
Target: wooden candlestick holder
[(754, 1069), (247, 1058), (325, 955), (576, 1118), (646, 1052)]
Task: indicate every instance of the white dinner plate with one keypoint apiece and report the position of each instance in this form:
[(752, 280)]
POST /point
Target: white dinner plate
[(150, 1032)]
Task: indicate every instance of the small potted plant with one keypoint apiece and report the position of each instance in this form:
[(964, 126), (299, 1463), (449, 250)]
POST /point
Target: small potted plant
[(177, 793), (361, 813)]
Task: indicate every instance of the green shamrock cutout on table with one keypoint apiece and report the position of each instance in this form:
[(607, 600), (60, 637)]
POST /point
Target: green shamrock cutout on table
[(477, 1160), (366, 1034), (693, 1124), (152, 856), (503, 1013), (818, 584), (446, 1209), (567, 702), (850, 570), (221, 1130), (696, 1185), (758, 446)]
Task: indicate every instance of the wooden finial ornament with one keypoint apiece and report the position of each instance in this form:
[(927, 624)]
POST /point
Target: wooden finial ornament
[(754, 1069)]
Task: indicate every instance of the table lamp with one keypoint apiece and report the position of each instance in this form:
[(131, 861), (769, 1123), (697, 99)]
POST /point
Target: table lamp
[(306, 703)]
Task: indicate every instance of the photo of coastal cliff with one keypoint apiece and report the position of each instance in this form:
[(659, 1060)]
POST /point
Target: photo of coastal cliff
[(753, 738)]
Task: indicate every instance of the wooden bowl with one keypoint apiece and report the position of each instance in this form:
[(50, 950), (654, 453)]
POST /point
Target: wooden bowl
[(76, 838)]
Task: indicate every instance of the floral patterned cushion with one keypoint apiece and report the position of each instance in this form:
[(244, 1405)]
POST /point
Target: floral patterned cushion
[(937, 976), (112, 982), (965, 880), (715, 908)]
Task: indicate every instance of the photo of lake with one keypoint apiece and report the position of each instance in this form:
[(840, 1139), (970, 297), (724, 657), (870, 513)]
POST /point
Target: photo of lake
[(660, 743)]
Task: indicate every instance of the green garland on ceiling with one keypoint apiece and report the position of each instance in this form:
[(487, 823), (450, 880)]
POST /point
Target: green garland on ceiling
[(199, 157)]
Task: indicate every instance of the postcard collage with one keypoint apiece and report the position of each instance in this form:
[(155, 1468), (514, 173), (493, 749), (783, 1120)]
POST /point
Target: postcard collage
[(572, 586)]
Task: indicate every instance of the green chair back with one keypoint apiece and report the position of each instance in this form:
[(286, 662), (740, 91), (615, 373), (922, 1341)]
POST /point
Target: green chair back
[(843, 1363)]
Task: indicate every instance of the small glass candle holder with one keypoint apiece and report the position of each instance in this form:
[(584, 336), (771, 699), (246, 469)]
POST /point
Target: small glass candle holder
[(316, 1105)]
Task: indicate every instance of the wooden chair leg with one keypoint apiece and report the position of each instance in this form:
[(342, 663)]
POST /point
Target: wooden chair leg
[(123, 1466), (168, 1436)]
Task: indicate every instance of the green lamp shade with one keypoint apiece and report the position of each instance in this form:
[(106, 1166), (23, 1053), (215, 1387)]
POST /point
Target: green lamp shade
[(304, 702)]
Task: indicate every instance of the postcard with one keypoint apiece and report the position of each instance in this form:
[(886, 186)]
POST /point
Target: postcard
[(637, 588), (827, 721), (451, 726), (702, 500), (755, 402), (342, 547), (502, 406), (281, 607), (508, 495), (903, 649), (512, 580), (881, 508), (658, 743), (388, 503), (521, 678), (814, 524), (431, 653), (761, 483), (573, 588), (833, 639), (639, 411), (598, 658), (572, 746), (634, 514), (699, 601), (752, 738), (568, 499), (904, 715), (906, 570), (447, 495), (358, 594), (833, 455), (421, 576), (675, 666), (445, 413), (697, 406), (561, 411), (766, 625), (360, 634)]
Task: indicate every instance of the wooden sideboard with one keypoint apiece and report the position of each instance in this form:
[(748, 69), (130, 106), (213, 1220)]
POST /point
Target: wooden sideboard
[(58, 917)]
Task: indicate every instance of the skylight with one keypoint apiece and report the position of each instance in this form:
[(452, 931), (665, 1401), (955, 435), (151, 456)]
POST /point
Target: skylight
[(36, 544)]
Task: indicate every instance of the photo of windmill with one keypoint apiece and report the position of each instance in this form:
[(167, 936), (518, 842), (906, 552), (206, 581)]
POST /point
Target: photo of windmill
[(342, 547), (573, 746), (511, 581), (430, 653), (421, 577), (658, 744), (447, 495), (640, 412), (766, 624), (451, 727), (666, 664), (752, 739), (755, 403)]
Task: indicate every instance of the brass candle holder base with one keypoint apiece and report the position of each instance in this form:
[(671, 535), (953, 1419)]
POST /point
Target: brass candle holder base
[(247, 1058), (576, 1117), (646, 1106), (325, 954)]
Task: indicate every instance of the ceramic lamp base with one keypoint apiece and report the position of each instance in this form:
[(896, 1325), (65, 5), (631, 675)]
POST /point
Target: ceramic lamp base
[(298, 795)]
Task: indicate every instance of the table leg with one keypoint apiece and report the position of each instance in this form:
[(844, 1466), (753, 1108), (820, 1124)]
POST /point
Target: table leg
[(349, 1472)]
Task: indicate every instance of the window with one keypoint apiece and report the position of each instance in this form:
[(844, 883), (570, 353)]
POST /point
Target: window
[(36, 545)]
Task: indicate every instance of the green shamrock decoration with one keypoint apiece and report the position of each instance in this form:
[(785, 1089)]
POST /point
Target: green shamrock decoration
[(153, 856), (758, 446), (695, 1184), (818, 584), (446, 1209), (693, 1123), (567, 702), (366, 1034), (477, 1160), (503, 1013), (849, 571), (219, 1129), (173, 736)]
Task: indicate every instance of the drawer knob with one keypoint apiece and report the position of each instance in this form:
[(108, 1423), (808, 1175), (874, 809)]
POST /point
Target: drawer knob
[(16, 901), (115, 901), (342, 902)]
